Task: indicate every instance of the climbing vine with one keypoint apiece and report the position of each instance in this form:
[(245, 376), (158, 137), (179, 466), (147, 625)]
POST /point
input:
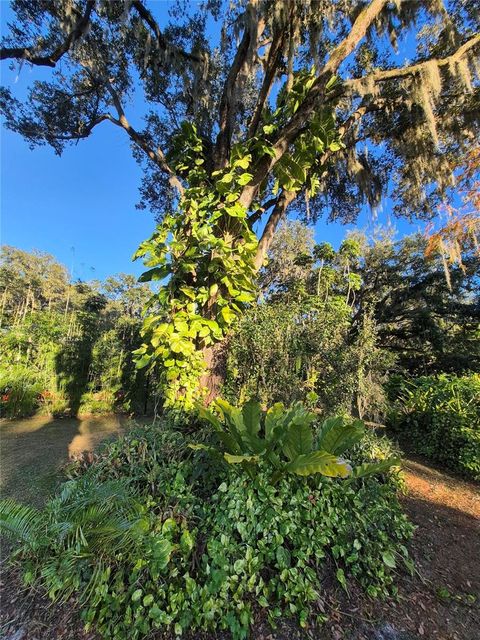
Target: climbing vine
[(205, 250)]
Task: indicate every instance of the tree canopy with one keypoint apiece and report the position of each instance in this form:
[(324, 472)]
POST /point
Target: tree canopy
[(251, 108)]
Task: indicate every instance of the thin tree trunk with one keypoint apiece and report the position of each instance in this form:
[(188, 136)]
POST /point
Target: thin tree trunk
[(4, 302)]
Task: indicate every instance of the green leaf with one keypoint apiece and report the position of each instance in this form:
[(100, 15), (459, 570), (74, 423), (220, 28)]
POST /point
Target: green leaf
[(244, 179), (136, 595), (331, 83), (227, 178), (238, 459), (272, 417), (335, 146), (186, 541), (341, 578), (372, 468), (336, 436), (228, 314), (157, 273), (269, 128), (143, 361), (299, 440), (162, 551), (251, 416), (388, 559), (244, 162), (148, 599), (320, 462)]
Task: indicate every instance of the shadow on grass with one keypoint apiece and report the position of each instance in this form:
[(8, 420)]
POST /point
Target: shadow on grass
[(33, 450)]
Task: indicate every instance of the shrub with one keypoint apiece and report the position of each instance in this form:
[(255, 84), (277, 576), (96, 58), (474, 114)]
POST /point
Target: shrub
[(283, 440), (297, 349), (439, 417), (150, 534), (20, 394)]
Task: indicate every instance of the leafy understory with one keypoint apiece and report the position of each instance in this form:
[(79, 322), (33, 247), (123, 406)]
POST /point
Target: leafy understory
[(155, 535)]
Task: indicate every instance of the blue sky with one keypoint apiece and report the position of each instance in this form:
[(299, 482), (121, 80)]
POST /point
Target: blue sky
[(80, 207)]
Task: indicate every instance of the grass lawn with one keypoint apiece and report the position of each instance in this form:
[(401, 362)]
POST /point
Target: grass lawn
[(33, 449)]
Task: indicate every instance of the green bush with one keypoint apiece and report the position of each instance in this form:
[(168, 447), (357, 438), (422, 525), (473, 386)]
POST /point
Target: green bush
[(307, 349), (150, 534), (439, 417), (284, 442), (20, 394)]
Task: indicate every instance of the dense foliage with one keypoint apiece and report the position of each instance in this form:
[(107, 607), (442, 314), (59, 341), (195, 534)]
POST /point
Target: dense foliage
[(439, 417), (303, 349), (282, 441), (67, 347), (250, 109), (332, 325), (154, 535)]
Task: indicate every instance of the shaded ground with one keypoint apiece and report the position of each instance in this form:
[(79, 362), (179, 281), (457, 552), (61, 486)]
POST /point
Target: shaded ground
[(31, 450), (439, 602)]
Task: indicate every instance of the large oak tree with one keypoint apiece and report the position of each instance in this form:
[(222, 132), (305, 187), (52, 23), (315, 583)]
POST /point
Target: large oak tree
[(253, 108)]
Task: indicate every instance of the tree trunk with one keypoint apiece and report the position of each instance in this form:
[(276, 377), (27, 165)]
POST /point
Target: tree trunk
[(212, 380)]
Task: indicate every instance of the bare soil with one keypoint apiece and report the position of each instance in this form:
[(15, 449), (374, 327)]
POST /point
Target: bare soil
[(439, 602)]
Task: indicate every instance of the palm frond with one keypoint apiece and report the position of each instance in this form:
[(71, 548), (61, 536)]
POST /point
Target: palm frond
[(20, 522)]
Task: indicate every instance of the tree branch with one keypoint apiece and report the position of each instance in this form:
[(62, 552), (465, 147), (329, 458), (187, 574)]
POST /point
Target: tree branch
[(315, 96), (273, 58), (156, 155), (256, 215), (30, 53), (285, 198), (228, 101), (162, 42), (399, 72)]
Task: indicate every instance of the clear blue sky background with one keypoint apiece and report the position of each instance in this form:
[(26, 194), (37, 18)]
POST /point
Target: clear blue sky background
[(80, 207)]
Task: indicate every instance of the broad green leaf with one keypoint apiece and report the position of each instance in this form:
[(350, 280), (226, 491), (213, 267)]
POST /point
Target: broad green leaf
[(244, 179), (186, 541), (335, 146), (272, 416), (341, 578), (162, 551), (251, 416), (320, 462), (336, 436), (228, 315), (227, 178), (244, 162), (143, 361), (299, 440), (372, 468), (157, 273), (389, 559), (136, 595), (233, 459)]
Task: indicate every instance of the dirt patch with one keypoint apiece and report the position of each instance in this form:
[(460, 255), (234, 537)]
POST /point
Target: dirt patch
[(439, 602)]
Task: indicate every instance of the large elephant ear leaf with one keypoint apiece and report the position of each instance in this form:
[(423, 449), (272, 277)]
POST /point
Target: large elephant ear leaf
[(372, 468), (299, 440), (320, 462), (336, 435), (233, 421), (251, 417)]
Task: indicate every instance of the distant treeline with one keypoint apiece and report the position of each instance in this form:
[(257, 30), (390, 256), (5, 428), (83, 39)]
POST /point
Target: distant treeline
[(66, 347)]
